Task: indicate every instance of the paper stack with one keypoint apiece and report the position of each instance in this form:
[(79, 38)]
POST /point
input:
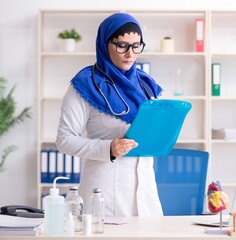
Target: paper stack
[(226, 133), (20, 226)]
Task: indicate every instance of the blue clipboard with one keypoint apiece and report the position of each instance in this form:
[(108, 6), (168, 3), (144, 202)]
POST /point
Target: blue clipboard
[(157, 126)]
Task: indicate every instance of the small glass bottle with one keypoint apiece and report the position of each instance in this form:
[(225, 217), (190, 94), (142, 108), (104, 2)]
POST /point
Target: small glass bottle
[(74, 204), (178, 91), (97, 210)]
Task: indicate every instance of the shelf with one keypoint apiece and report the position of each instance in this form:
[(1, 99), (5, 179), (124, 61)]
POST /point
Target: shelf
[(57, 68), (175, 54), (63, 54), (145, 53), (229, 185), (191, 141), (223, 55), (47, 141), (222, 98), (56, 99), (65, 185), (222, 141), (185, 97)]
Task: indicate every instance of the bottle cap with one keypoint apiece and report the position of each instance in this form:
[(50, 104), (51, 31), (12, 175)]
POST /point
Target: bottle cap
[(74, 188), (96, 190), (54, 190)]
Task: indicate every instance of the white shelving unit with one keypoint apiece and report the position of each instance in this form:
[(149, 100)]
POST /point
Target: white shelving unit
[(56, 68), (222, 108)]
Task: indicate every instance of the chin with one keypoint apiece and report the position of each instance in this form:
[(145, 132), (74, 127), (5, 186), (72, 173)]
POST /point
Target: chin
[(126, 67)]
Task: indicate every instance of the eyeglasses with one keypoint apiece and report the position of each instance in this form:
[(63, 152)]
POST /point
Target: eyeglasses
[(123, 47)]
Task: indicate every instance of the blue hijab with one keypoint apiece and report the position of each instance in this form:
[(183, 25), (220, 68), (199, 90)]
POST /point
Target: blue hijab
[(128, 83)]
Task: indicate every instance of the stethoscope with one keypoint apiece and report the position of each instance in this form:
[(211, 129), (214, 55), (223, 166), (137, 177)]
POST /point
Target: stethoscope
[(126, 111)]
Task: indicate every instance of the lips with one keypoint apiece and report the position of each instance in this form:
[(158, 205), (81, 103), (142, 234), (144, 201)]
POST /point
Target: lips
[(128, 62)]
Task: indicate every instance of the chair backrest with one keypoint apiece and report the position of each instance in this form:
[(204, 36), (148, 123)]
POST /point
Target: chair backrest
[(181, 181)]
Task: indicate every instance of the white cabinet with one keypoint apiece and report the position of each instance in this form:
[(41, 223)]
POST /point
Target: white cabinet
[(56, 68), (222, 108)]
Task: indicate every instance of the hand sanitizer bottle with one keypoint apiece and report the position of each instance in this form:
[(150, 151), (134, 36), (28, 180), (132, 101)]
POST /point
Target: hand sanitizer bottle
[(53, 206)]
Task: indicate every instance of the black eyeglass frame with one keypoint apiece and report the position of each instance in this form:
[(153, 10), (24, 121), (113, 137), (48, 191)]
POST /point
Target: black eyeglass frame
[(142, 44)]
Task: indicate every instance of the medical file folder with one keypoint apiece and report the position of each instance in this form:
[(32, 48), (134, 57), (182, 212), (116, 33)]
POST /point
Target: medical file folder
[(200, 35), (44, 166), (60, 164), (52, 165), (76, 169), (157, 126), (216, 79), (55, 164), (145, 66), (68, 166)]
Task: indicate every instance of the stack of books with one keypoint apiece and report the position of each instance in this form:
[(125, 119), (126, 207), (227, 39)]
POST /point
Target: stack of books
[(224, 133), (20, 226)]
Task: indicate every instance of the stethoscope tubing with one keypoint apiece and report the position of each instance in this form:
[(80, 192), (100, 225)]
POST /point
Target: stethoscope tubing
[(95, 66)]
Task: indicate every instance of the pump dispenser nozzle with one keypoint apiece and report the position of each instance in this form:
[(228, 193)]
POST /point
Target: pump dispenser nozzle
[(54, 190)]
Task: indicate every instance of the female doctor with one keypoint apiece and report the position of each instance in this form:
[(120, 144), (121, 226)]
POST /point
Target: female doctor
[(102, 100)]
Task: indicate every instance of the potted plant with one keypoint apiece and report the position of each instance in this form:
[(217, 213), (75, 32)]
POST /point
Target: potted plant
[(7, 118), (70, 37)]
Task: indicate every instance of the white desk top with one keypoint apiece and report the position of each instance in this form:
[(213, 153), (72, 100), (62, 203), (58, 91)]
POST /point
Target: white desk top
[(143, 228)]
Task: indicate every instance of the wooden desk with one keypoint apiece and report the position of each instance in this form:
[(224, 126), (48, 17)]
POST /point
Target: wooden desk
[(143, 228)]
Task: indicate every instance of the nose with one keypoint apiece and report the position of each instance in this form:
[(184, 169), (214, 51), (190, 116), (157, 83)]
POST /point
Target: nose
[(130, 52)]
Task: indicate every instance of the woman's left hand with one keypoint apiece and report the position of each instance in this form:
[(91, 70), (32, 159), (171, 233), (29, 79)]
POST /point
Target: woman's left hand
[(121, 146)]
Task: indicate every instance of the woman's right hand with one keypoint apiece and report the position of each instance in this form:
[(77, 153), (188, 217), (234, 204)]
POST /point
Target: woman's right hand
[(121, 146)]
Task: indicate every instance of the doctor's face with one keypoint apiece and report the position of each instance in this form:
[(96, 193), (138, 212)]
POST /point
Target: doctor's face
[(123, 50)]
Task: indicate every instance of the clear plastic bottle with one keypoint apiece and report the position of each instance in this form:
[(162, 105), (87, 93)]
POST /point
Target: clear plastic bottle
[(53, 206), (178, 91), (70, 225), (97, 210), (74, 204), (87, 224)]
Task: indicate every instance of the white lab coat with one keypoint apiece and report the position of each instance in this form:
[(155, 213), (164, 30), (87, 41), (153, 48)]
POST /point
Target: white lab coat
[(128, 184)]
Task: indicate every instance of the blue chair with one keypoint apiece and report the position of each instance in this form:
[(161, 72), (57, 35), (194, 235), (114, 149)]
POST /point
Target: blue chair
[(181, 181)]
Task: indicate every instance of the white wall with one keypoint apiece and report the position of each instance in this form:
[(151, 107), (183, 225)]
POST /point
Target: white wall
[(18, 64)]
